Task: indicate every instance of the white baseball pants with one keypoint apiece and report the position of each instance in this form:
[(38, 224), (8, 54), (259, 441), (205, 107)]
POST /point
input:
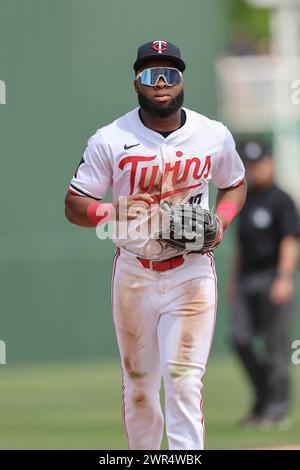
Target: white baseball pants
[(164, 324)]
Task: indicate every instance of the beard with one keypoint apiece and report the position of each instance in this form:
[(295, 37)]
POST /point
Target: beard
[(160, 110)]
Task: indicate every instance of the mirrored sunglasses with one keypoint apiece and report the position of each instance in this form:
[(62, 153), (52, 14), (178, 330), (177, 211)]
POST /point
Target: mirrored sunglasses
[(151, 76)]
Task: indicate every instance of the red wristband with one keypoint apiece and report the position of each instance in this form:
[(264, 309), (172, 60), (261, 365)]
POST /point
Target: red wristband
[(99, 212), (228, 210)]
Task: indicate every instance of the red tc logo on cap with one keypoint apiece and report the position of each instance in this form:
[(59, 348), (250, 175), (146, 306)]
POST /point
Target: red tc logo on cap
[(159, 46)]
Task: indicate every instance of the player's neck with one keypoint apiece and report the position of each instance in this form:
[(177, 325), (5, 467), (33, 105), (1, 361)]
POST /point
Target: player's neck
[(166, 124), (263, 186)]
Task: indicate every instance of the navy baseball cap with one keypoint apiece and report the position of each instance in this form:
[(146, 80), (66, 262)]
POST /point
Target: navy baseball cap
[(159, 48), (254, 150)]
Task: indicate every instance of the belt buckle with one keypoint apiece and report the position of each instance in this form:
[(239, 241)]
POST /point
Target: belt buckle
[(151, 264)]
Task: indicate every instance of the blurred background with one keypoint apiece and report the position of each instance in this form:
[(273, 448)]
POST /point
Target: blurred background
[(66, 70)]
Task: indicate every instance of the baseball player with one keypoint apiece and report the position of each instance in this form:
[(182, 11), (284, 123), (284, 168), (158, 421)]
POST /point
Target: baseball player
[(159, 158)]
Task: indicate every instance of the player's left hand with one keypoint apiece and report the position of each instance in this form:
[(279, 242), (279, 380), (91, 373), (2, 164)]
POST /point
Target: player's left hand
[(189, 227)]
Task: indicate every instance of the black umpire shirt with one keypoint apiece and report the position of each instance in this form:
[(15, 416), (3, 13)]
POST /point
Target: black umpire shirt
[(267, 217)]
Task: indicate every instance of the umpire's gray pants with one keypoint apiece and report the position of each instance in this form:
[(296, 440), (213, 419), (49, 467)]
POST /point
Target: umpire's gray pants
[(260, 334)]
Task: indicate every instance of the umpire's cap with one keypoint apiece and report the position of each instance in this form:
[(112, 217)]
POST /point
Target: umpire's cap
[(159, 48), (254, 150)]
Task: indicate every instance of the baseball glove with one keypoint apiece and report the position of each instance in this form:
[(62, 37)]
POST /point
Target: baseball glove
[(189, 227)]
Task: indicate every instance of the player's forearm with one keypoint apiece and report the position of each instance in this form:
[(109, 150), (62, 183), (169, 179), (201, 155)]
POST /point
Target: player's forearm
[(86, 212), (76, 210), (230, 201), (288, 256)]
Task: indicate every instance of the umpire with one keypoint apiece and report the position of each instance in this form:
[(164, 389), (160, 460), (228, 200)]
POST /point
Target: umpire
[(265, 268)]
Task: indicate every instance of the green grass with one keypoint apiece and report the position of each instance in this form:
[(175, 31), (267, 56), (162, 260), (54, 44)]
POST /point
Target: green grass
[(78, 406)]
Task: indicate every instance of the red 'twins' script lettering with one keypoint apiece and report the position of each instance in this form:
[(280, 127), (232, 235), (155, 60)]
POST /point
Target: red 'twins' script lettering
[(193, 164)]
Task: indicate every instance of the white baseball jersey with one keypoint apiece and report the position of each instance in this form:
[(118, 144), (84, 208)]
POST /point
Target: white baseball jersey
[(131, 158)]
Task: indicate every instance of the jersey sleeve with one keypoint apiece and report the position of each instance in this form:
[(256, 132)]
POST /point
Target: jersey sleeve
[(287, 217), (93, 176), (228, 169)]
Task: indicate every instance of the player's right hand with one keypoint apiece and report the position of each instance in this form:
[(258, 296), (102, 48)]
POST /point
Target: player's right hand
[(130, 207)]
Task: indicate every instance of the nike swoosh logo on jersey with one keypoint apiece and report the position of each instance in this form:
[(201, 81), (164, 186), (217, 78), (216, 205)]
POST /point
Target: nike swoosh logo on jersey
[(127, 147)]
